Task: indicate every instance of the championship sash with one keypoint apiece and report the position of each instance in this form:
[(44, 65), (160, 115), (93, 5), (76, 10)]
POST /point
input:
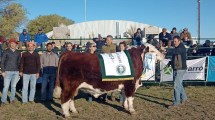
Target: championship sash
[(116, 66)]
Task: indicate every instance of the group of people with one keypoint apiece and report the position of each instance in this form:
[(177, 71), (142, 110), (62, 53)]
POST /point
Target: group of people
[(28, 65), (165, 43), (166, 39), (206, 49), (40, 38)]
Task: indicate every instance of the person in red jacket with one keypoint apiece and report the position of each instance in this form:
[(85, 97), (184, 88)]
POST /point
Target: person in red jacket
[(29, 68)]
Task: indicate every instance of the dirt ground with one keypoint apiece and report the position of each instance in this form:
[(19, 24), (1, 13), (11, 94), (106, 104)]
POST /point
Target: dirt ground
[(150, 103)]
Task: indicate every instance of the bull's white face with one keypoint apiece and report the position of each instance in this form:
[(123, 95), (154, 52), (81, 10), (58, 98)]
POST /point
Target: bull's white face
[(152, 49)]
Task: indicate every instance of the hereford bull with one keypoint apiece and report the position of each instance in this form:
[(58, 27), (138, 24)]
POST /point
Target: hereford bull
[(82, 71)]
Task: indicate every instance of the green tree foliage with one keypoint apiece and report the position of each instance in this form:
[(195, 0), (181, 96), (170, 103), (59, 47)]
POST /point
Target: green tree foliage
[(11, 18), (47, 22)]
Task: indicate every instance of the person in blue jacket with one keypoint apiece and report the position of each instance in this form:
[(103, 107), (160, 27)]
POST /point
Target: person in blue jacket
[(40, 38), (24, 37)]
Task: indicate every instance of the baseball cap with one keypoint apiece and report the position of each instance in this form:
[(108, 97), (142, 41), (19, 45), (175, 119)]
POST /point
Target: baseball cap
[(13, 40), (185, 29), (24, 30)]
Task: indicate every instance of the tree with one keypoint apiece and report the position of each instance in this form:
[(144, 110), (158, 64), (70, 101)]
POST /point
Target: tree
[(47, 22), (11, 18)]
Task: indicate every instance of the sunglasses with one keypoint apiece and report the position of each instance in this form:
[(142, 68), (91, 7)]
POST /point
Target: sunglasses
[(93, 46)]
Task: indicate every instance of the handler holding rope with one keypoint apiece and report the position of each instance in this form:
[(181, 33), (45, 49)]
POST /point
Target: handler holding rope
[(179, 66)]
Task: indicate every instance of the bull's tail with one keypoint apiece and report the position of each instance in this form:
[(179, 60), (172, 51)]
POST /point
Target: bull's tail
[(58, 89)]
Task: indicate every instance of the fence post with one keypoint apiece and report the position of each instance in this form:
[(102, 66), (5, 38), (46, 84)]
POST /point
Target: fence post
[(80, 40)]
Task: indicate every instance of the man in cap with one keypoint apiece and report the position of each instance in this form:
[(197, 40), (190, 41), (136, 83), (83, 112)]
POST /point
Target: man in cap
[(10, 71), (40, 38), (24, 37), (186, 37), (29, 69)]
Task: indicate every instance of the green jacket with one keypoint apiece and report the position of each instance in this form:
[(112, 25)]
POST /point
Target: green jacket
[(108, 48)]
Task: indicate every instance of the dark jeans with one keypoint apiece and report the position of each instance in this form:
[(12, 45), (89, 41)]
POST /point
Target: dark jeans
[(47, 78), (135, 42)]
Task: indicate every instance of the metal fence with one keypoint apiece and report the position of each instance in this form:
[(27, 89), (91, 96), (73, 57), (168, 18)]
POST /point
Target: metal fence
[(82, 42)]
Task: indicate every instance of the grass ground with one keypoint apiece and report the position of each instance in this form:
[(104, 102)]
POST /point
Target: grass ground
[(150, 103)]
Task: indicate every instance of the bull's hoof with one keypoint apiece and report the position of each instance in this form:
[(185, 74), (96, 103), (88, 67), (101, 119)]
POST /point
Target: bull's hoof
[(76, 112), (126, 109), (66, 116), (133, 112)]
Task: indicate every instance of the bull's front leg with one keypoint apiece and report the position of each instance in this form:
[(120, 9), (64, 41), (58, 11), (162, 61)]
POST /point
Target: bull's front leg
[(72, 106), (130, 101), (65, 107)]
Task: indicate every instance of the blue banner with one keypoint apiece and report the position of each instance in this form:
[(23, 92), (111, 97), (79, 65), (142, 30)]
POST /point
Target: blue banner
[(211, 69)]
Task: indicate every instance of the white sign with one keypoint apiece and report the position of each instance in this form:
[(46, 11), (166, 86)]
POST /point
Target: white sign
[(116, 64), (149, 67), (166, 73), (195, 70)]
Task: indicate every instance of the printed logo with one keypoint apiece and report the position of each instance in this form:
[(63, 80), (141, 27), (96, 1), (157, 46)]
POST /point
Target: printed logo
[(120, 69), (168, 70)]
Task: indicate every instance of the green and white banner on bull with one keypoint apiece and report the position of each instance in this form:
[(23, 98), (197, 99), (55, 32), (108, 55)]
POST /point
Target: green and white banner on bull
[(116, 66), (149, 67), (195, 70)]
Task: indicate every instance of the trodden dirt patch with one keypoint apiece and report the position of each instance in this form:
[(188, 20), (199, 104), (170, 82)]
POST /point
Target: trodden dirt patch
[(150, 103)]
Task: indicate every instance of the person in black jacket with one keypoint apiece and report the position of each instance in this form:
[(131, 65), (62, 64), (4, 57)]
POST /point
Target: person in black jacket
[(99, 42), (138, 36), (205, 50), (179, 66), (164, 38)]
